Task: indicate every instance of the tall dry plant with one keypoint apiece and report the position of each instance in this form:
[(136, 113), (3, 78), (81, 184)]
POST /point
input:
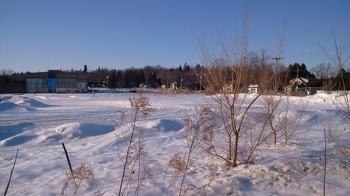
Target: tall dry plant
[(133, 167), (197, 128), (81, 175)]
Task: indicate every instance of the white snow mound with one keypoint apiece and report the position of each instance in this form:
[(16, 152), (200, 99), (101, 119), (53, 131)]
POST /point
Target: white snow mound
[(163, 125), (15, 134), (6, 105), (29, 102), (82, 130)]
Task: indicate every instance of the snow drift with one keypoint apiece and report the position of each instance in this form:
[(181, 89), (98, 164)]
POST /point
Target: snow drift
[(15, 134), (30, 102), (6, 105), (7, 131), (82, 130)]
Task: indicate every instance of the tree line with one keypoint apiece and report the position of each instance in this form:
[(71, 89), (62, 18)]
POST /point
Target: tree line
[(190, 77), (184, 76)]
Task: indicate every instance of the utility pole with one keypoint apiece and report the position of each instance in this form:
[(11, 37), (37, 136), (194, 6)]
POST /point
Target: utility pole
[(297, 71), (276, 64)]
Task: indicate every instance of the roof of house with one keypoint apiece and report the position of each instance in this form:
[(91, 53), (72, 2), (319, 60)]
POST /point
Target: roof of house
[(253, 86), (304, 82), (299, 81)]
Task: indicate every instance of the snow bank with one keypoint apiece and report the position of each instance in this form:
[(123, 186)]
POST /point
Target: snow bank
[(20, 103), (162, 125), (6, 105), (18, 140), (82, 130), (7, 131), (30, 102), (5, 98), (15, 134), (42, 97)]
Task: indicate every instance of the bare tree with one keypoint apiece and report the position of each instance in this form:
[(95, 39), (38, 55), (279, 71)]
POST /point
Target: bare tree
[(281, 122), (324, 72), (276, 104), (339, 60), (277, 109), (272, 103), (228, 84)]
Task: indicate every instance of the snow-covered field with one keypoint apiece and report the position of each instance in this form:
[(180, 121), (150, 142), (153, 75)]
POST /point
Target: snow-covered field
[(88, 125)]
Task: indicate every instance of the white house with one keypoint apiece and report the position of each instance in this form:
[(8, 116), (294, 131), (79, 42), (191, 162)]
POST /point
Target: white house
[(253, 89)]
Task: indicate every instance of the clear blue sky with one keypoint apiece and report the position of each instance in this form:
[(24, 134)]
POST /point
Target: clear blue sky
[(37, 35)]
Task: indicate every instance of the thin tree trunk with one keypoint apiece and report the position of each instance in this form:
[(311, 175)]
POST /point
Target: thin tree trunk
[(235, 151), (229, 148)]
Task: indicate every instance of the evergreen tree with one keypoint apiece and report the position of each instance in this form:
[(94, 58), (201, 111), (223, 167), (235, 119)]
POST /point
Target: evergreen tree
[(180, 69)]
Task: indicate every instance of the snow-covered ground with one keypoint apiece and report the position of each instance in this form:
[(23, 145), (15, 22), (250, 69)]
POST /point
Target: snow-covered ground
[(88, 125)]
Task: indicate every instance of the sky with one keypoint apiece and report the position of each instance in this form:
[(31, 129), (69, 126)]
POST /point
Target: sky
[(36, 35)]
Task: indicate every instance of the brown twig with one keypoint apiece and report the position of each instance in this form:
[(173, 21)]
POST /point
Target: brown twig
[(13, 168)]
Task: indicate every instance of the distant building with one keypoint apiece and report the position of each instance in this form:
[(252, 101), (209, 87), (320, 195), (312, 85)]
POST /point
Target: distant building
[(56, 81), (37, 82), (253, 89), (173, 85), (303, 86)]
